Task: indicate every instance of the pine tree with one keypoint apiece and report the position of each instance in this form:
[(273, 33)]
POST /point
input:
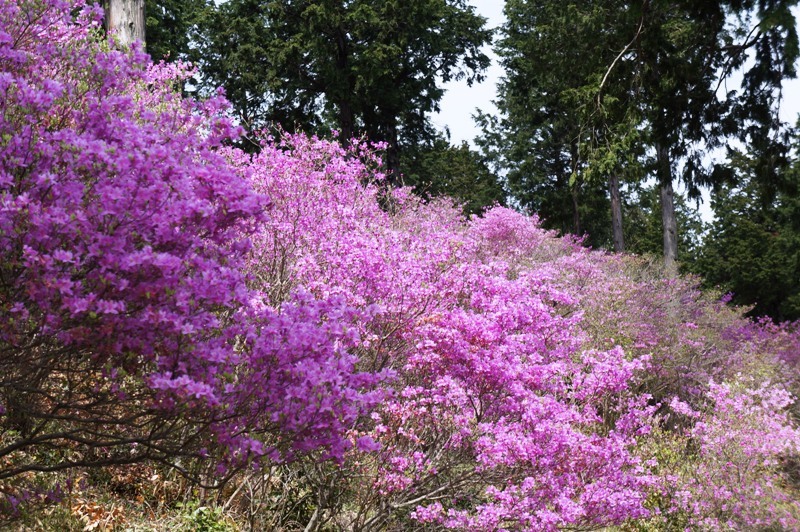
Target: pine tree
[(586, 83), (362, 67)]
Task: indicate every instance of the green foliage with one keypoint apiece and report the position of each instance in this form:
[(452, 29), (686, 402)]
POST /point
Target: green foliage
[(457, 172), (629, 89), (642, 215), (199, 518), (553, 142), (171, 26), (753, 248), (363, 67)]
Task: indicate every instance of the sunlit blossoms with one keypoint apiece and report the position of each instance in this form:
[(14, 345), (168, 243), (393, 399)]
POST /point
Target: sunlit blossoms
[(124, 294), (166, 297)]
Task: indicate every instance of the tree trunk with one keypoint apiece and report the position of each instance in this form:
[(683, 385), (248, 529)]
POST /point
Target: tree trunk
[(670, 227), (126, 19), (393, 153), (343, 97), (669, 223), (573, 188), (616, 213), (346, 130), (576, 212)]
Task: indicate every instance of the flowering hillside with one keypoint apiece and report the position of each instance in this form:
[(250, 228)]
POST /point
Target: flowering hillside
[(331, 354)]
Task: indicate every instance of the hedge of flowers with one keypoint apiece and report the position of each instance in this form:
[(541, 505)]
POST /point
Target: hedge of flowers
[(166, 297)]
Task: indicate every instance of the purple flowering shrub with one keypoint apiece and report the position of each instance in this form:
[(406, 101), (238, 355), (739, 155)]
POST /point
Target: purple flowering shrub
[(534, 377), (167, 298), (128, 330), (732, 480)]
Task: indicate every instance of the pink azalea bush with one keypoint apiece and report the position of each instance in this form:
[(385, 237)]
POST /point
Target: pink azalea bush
[(534, 376), (128, 329), (731, 481), (167, 297)]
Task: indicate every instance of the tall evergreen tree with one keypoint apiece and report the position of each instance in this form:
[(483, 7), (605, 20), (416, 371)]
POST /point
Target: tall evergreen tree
[(172, 26), (585, 80), (753, 248), (559, 140), (363, 67), (685, 51)]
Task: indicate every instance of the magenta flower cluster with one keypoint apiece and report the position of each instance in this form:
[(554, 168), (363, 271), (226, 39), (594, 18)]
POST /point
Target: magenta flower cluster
[(286, 307), (538, 382), (123, 230)]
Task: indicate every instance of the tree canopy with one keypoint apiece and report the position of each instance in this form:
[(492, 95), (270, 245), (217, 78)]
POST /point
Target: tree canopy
[(364, 67), (173, 26), (588, 83), (550, 52), (753, 247)]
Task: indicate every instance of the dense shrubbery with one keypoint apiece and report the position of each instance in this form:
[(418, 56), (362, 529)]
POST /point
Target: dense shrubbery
[(169, 299), (128, 329)]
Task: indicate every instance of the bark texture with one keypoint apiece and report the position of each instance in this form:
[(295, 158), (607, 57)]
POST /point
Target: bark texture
[(616, 213), (126, 19)]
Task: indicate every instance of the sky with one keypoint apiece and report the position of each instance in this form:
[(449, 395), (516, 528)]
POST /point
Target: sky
[(461, 101)]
